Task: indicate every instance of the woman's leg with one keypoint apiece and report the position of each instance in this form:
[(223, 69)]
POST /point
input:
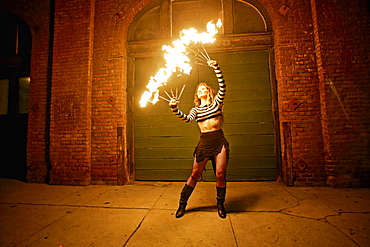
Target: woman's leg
[(196, 173), (221, 165), (189, 186)]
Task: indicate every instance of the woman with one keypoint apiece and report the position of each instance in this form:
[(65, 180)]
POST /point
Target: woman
[(212, 144)]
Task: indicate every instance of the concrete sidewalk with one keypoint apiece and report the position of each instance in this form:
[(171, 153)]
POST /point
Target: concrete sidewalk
[(142, 214)]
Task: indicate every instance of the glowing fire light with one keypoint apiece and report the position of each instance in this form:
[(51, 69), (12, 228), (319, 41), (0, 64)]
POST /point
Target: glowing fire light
[(177, 60)]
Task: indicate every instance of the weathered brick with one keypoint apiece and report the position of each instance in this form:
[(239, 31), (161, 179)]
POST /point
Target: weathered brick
[(79, 98)]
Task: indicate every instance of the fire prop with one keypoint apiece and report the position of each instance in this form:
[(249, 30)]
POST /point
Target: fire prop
[(177, 60)]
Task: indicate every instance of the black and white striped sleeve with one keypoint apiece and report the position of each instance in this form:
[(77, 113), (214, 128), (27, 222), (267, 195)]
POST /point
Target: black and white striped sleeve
[(222, 85), (187, 118)]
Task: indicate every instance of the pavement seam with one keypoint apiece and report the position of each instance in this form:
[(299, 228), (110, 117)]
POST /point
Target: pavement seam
[(30, 236), (136, 229), (168, 209), (83, 205), (340, 228), (232, 228), (100, 194), (322, 219), (71, 205), (296, 206), (142, 220)]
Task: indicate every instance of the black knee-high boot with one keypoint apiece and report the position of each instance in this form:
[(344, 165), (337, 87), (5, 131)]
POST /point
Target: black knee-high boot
[(221, 193), (184, 196)]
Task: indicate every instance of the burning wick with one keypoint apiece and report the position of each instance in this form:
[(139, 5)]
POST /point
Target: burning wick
[(177, 60)]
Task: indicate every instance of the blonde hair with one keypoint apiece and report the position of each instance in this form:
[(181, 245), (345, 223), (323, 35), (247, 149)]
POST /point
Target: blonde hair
[(211, 94)]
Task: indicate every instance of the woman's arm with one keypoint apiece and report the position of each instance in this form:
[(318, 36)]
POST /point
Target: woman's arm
[(221, 82), (180, 114)]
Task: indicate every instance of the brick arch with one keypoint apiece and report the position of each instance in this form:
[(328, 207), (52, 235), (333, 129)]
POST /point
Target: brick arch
[(109, 96), (37, 125), (261, 11), (128, 15)]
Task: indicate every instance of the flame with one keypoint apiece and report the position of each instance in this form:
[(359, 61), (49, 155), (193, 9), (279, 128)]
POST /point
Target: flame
[(177, 60)]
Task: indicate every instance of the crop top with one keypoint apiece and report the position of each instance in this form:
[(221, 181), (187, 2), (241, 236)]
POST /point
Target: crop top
[(201, 113)]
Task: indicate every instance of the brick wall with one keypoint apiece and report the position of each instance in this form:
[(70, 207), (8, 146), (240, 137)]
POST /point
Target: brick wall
[(322, 69), (70, 126), (321, 55), (109, 99), (298, 92), (343, 38)]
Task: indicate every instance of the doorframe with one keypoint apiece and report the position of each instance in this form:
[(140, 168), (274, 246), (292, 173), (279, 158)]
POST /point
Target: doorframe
[(223, 44)]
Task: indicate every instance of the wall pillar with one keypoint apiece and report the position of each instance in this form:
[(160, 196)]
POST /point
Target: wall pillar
[(70, 126)]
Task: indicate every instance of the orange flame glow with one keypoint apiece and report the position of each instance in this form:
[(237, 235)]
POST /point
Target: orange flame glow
[(177, 60)]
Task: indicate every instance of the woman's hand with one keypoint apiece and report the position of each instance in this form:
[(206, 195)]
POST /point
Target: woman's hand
[(173, 102), (212, 63)]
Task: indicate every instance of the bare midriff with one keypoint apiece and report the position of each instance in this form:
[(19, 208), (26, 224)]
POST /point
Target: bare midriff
[(209, 125)]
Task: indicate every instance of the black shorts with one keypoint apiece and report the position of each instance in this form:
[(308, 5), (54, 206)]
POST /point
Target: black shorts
[(210, 144)]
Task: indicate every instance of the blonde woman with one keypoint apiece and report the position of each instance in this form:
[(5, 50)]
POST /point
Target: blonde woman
[(208, 113)]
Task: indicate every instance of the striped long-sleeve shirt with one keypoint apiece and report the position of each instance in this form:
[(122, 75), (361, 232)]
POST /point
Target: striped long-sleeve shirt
[(201, 113)]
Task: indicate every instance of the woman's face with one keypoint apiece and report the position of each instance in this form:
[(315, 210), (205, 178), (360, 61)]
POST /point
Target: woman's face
[(202, 92)]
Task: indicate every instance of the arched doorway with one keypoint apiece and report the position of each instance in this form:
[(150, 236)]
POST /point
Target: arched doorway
[(163, 144), (15, 53)]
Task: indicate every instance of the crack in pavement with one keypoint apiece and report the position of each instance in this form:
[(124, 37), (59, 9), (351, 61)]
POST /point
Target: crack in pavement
[(142, 220)]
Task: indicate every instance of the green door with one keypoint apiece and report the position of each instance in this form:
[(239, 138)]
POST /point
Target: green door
[(164, 144)]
